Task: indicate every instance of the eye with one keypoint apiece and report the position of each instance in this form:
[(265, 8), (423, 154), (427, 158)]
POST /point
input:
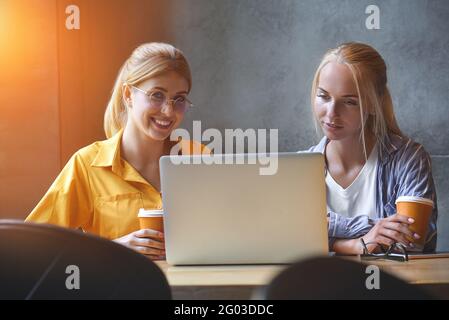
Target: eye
[(322, 96), (180, 99), (157, 95), (351, 102)]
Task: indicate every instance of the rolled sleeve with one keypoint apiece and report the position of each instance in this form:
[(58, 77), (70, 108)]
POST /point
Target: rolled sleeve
[(347, 228)]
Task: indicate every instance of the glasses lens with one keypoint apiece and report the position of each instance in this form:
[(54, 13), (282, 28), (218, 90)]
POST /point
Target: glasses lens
[(157, 98), (394, 252), (181, 104)]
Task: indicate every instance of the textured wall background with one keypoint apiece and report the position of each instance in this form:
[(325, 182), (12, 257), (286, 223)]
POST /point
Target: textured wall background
[(28, 104), (253, 62)]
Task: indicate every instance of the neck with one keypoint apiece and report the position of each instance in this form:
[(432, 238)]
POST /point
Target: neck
[(349, 152), (140, 150)]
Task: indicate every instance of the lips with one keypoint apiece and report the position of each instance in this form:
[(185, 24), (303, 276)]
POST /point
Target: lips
[(331, 126), (162, 123)]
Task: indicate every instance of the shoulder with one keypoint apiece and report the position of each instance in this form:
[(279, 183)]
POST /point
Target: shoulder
[(88, 153), (76, 169), (407, 151), (96, 152)]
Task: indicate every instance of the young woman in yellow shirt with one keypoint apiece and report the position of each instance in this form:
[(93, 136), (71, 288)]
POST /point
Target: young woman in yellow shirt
[(103, 186)]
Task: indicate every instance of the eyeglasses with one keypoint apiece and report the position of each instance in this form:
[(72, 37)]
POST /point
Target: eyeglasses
[(157, 99), (396, 251)]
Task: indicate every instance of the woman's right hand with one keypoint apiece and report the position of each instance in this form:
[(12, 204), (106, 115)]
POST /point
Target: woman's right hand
[(392, 229), (145, 241)]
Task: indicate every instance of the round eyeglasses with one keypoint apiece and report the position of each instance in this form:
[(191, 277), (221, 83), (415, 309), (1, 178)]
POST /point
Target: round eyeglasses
[(157, 99), (396, 251)]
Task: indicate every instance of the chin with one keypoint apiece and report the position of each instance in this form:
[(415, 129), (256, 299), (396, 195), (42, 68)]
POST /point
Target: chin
[(334, 136), (158, 136)]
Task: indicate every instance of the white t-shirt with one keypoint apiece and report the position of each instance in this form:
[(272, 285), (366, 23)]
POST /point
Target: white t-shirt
[(360, 197)]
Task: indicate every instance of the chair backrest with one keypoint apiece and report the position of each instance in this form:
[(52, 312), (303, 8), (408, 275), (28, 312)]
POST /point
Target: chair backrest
[(333, 278), (48, 262)]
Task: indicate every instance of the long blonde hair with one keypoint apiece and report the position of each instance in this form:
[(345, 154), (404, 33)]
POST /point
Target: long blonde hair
[(369, 72), (147, 61)]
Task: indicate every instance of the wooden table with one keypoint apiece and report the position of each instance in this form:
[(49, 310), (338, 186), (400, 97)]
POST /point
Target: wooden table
[(241, 281)]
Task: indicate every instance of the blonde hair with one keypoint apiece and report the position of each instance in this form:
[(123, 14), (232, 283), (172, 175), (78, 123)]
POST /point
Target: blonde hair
[(147, 61), (369, 72)]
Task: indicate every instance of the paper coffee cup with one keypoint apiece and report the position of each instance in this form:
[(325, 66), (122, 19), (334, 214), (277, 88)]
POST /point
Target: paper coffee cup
[(151, 219), (420, 210)]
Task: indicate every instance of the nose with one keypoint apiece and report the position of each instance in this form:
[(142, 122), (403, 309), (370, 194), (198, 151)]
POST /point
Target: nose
[(331, 108), (168, 107)]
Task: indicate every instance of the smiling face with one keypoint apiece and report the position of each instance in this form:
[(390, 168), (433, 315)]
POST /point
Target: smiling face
[(336, 104), (156, 123)]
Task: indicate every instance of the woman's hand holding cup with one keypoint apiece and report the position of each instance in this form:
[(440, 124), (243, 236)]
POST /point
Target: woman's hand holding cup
[(145, 241), (149, 240)]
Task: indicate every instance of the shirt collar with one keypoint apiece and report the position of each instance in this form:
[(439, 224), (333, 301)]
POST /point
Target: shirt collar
[(321, 145), (109, 156), (393, 142)]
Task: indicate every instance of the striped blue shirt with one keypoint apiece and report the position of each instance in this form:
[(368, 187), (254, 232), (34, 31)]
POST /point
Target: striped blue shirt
[(404, 169)]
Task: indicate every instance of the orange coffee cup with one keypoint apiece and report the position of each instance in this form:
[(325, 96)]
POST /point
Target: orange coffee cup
[(151, 219), (420, 210)]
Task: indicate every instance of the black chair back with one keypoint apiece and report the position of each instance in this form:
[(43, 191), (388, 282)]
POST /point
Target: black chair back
[(334, 278), (48, 262)]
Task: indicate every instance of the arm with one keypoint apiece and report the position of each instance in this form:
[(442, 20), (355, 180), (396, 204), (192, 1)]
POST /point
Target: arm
[(68, 203), (347, 228), (347, 246), (386, 231), (415, 179)]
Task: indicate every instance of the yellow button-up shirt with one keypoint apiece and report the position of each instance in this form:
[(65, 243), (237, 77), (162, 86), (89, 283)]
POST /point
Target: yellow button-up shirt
[(100, 192)]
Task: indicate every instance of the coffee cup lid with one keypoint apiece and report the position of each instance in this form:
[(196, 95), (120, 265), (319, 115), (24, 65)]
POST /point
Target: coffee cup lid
[(150, 213), (415, 199)]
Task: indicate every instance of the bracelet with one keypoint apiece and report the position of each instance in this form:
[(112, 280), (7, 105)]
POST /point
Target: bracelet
[(364, 247)]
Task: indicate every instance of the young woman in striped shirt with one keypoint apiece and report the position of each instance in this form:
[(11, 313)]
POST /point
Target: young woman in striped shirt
[(369, 161)]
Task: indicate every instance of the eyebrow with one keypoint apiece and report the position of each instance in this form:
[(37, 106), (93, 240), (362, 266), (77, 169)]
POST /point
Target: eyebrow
[(165, 90), (345, 96)]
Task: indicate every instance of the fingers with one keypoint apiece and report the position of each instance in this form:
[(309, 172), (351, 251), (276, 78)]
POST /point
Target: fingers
[(150, 251), (384, 240), (373, 246), (400, 218), (149, 233), (149, 243), (392, 229), (396, 236), (400, 228)]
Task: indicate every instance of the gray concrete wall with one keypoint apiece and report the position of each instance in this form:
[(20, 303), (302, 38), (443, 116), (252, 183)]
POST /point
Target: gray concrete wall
[(253, 62)]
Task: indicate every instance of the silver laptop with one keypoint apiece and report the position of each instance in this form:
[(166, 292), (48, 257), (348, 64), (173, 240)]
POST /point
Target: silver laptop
[(231, 213)]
